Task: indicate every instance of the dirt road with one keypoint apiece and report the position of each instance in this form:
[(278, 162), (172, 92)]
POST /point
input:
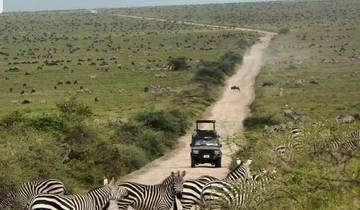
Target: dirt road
[(229, 112)]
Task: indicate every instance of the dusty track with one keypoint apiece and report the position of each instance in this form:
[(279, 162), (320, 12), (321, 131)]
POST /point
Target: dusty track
[(229, 112)]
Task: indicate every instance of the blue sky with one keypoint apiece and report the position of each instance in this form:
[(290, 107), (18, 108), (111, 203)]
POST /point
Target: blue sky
[(34, 5)]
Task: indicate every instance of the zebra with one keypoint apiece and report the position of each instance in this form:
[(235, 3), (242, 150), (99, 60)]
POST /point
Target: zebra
[(193, 187), (191, 193), (355, 134), (292, 144), (149, 197), (343, 146), (95, 199), (234, 194), (24, 193)]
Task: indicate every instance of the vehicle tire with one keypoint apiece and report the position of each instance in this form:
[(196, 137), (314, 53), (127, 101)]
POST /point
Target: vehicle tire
[(218, 163), (192, 163)]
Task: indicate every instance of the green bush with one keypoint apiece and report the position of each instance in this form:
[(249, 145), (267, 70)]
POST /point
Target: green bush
[(46, 122), (284, 30), (242, 44), (151, 142), (13, 119), (166, 121), (178, 63), (73, 111), (259, 121), (215, 72), (210, 72), (130, 158)]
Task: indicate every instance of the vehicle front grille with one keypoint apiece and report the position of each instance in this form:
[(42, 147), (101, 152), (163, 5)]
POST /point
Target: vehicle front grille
[(206, 152)]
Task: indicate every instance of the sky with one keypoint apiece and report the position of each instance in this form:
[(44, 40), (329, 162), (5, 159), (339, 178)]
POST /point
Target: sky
[(35, 5)]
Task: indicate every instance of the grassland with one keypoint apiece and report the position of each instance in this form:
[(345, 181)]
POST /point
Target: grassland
[(83, 96), (42, 52), (312, 68)]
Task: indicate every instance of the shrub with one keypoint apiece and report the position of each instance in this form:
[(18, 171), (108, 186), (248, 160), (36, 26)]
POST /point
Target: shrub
[(46, 122), (178, 63), (130, 158), (242, 44), (210, 73), (13, 119), (284, 30), (73, 111), (258, 121), (161, 121), (151, 143)]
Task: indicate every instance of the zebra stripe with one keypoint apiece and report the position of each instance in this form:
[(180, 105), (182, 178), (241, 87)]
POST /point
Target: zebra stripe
[(150, 197), (96, 199), (191, 194), (27, 191), (344, 146), (241, 171), (234, 194), (355, 134), (292, 144), (193, 188)]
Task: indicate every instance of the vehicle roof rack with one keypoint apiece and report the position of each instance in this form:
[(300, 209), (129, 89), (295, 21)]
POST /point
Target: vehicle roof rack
[(205, 121)]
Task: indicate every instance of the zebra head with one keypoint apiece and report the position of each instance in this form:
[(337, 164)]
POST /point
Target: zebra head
[(116, 192), (241, 171), (178, 183)]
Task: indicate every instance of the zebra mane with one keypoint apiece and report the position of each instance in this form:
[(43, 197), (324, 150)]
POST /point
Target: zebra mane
[(168, 180), (241, 164)]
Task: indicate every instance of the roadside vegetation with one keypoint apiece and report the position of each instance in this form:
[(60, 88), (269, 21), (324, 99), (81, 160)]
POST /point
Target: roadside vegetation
[(87, 96), (311, 82)]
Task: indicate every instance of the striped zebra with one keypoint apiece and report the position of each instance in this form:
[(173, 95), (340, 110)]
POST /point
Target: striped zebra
[(150, 197), (234, 194), (355, 134), (343, 146), (191, 195), (96, 199), (24, 193), (293, 143)]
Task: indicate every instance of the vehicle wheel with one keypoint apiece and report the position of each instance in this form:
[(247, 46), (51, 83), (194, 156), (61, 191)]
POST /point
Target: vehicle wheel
[(192, 163), (218, 163)]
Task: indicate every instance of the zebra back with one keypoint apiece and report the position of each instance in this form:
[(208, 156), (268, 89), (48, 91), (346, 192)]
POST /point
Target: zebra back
[(96, 199), (148, 197), (27, 191), (229, 194), (293, 143), (191, 194)]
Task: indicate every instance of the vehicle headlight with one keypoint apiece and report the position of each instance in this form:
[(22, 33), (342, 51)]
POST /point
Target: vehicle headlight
[(195, 151), (217, 152)]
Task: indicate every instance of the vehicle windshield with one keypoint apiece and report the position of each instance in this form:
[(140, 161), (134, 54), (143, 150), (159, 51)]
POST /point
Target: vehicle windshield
[(203, 142)]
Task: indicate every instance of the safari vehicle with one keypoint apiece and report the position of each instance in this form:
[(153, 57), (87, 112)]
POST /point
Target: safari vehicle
[(205, 145)]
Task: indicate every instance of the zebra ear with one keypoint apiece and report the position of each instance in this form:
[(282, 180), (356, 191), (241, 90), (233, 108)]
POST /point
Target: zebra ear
[(172, 173), (183, 173), (112, 182), (238, 162), (248, 162), (106, 181)]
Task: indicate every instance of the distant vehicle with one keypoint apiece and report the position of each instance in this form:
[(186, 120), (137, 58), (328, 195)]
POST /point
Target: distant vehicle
[(235, 88), (205, 145)]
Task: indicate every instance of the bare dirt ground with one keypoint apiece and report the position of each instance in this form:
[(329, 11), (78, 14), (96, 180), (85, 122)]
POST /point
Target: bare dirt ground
[(229, 112)]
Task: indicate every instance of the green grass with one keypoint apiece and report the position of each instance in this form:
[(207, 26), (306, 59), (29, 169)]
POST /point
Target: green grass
[(323, 44), (142, 106), (134, 52)]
